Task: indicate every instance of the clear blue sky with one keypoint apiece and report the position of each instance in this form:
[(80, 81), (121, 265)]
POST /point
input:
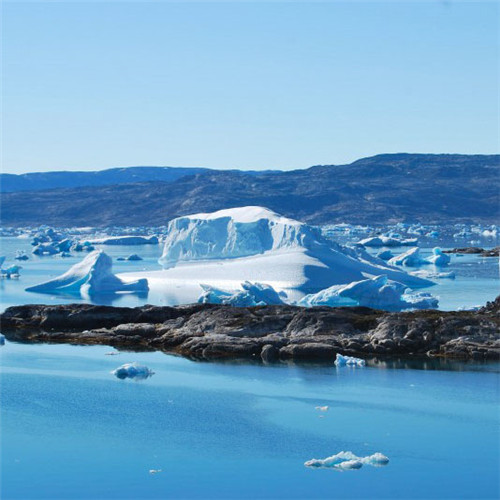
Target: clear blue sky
[(91, 85)]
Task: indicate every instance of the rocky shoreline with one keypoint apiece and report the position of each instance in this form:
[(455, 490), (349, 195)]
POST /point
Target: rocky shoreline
[(267, 333)]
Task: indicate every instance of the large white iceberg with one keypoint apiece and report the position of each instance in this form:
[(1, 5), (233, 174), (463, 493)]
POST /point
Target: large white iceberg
[(91, 276), (225, 248), (378, 292)]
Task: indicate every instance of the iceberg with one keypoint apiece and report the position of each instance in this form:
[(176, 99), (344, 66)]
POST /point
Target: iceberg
[(125, 240), (225, 248), (378, 292), (252, 294), (44, 249), (438, 258), (91, 276), (410, 258), (341, 360), (348, 460), (385, 255), (132, 370), (387, 241)]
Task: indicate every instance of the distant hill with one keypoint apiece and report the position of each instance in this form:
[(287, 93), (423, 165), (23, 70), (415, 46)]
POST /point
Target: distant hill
[(38, 181), (380, 189)]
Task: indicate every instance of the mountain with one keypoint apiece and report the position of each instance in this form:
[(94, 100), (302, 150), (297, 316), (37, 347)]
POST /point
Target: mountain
[(38, 181), (380, 189)]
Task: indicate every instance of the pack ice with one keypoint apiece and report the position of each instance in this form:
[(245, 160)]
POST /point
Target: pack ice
[(225, 248), (91, 276)]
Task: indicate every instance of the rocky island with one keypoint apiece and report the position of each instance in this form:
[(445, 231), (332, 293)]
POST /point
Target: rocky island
[(208, 331)]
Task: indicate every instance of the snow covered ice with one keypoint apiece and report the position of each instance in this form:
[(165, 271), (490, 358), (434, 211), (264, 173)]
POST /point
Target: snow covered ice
[(387, 241), (228, 247), (91, 276)]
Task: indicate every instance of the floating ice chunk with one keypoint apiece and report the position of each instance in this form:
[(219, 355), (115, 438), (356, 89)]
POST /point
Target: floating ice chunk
[(134, 256), (21, 255), (348, 460), (10, 272), (410, 258), (154, 471), (349, 360), (45, 249), (377, 459), (378, 292), (321, 408), (2, 339), (387, 241), (385, 255), (91, 276), (253, 294), (438, 258), (125, 240), (434, 275), (133, 370)]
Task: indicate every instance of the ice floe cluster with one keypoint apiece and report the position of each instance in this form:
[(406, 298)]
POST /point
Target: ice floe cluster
[(252, 294), (346, 460)]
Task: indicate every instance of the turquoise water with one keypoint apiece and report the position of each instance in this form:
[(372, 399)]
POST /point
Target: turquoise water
[(70, 429)]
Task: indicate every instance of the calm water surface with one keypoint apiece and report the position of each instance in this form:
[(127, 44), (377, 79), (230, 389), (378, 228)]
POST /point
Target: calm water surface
[(70, 429)]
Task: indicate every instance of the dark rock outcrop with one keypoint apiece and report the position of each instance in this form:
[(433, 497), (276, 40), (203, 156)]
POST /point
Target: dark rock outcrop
[(493, 252), (269, 333)]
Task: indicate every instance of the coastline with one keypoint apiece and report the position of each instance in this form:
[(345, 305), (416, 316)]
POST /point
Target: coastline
[(264, 333)]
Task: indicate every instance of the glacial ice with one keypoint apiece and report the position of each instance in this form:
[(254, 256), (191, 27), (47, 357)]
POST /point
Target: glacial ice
[(410, 258), (385, 255), (125, 240), (341, 360), (45, 249), (2, 339), (133, 370), (256, 244), (91, 276), (348, 460), (387, 241), (438, 258), (378, 292), (252, 294)]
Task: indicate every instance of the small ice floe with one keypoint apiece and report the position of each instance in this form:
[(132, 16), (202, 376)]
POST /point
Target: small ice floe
[(133, 370), (434, 275), (346, 460), (349, 360), (154, 471), (112, 353), (2, 339), (321, 408), (438, 258)]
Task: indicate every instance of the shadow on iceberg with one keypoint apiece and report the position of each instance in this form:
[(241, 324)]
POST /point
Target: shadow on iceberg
[(91, 277)]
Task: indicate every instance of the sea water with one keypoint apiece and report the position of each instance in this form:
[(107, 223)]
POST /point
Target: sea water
[(71, 430)]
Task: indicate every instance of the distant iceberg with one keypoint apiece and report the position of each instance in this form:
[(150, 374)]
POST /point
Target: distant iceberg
[(387, 241), (125, 240), (91, 276), (348, 460), (133, 370), (341, 360), (438, 258)]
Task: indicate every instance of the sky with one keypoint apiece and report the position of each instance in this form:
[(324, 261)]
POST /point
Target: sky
[(93, 85)]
